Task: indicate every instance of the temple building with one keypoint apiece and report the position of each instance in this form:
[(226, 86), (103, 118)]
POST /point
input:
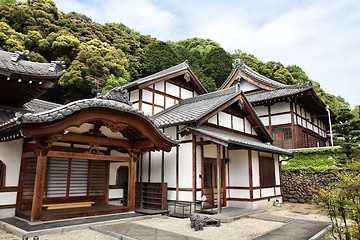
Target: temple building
[(295, 115), (158, 140)]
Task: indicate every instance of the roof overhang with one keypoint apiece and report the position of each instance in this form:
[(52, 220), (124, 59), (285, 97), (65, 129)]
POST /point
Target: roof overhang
[(232, 140)]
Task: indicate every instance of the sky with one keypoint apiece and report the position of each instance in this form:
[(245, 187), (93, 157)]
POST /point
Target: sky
[(320, 36)]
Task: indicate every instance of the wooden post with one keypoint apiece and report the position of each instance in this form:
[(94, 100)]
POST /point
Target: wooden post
[(194, 168), (131, 181), (39, 186), (218, 178)]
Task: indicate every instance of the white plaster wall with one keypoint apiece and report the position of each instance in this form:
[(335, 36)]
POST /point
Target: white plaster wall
[(186, 93), (280, 107), (171, 131), (299, 121), (116, 193), (225, 119), (277, 169), (256, 193), (238, 124), (261, 110), (185, 165), (170, 167), (156, 160), (198, 168), (157, 109), (238, 168), (210, 151), (172, 89), (186, 137), (113, 170), (145, 166), (169, 102), (136, 106), (7, 198), (159, 99), (245, 86), (171, 194), (213, 119), (6, 213), (267, 192), (147, 108), (159, 86), (265, 121), (134, 95), (247, 126), (147, 96), (255, 168), (10, 155), (185, 196), (239, 193), (278, 190), (281, 119)]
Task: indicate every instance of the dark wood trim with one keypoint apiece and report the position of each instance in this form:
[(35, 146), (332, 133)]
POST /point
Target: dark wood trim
[(229, 129), (194, 183), (183, 189), (238, 188), (186, 141), (250, 175), (7, 206), (131, 181), (177, 164), (270, 125), (292, 124), (202, 160), (9, 189), (253, 200), (153, 104), (162, 166), (88, 156), (219, 178), (149, 166), (140, 99), (276, 114)]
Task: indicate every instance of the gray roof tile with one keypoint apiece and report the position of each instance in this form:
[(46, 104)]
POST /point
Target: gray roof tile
[(238, 139), (279, 93), (192, 109), (17, 62)]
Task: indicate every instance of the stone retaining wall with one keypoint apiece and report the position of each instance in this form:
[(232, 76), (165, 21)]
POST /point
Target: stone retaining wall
[(298, 185)]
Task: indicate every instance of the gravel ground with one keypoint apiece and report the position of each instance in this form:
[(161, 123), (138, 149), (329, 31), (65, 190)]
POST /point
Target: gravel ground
[(244, 228)]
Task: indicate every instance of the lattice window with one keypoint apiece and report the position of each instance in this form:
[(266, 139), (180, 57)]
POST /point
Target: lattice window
[(207, 175), (305, 140), (313, 141), (282, 134), (2, 174), (122, 176), (267, 172)]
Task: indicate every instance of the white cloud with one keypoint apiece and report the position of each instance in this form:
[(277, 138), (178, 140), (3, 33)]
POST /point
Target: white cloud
[(320, 36)]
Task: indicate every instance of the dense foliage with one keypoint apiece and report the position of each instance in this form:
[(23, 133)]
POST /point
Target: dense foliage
[(101, 56)]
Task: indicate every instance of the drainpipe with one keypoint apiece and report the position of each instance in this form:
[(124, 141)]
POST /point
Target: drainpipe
[(331, 134)]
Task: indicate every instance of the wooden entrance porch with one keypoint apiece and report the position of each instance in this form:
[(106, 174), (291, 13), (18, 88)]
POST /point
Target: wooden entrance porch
[(57, 214)]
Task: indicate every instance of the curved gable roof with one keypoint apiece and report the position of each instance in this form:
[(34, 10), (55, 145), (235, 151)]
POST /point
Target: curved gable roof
[(239, 67), (174, 71)]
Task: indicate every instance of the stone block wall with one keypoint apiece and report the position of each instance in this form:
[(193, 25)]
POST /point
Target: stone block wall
[(298, 186)]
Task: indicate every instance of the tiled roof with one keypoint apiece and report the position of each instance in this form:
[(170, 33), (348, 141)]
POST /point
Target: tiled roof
[(38, 105), (192, 109), (182, 66), (237, 139), (279, 93), (8, 113), (17, 63), (240, 65)]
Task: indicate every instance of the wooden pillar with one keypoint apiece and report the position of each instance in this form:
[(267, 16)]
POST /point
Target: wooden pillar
[(218, 158), (194, 168), (131, 181), (39, 186)]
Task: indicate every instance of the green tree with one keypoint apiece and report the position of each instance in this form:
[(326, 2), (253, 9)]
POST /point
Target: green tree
[(158, 56), (218, 65), (284, 76), (249, 59), (298, 74)]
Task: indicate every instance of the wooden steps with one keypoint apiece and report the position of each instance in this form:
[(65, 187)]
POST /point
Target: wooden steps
[(67, 205)]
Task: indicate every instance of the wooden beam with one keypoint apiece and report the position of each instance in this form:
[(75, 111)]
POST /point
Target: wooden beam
[(88, 156), (39, 187)]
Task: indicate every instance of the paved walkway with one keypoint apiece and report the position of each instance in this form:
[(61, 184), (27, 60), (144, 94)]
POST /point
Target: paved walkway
[(131, 231)]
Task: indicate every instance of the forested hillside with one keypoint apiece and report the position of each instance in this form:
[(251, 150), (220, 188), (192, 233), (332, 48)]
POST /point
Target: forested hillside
[(101, 56)]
